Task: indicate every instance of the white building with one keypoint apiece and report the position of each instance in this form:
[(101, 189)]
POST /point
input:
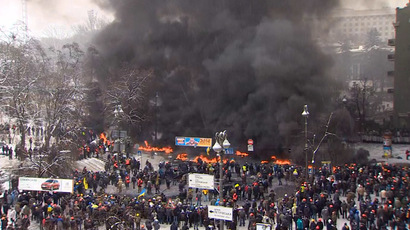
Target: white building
[(354, 25)]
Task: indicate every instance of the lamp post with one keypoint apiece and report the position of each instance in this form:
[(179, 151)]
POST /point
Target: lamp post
[(305, 114), (156, 119), (117, 113), (221, 143)]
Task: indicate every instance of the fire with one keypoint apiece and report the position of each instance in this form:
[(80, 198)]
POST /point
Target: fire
[(209, 160), (149, 148), (182, 157), (241, 154), (103, 137), (264, 162), (280, 162)]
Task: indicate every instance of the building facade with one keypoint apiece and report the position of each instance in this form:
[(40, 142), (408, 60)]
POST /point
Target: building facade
[(354, 25), (401, 71)]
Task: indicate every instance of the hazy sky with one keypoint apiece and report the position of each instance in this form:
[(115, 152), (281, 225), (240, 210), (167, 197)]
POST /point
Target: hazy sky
[(63, 14), (46, 14)]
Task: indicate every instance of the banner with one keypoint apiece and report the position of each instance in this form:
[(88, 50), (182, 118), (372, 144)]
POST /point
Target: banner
[(193, 141), (220, 213), (202, 181), (46, 184)]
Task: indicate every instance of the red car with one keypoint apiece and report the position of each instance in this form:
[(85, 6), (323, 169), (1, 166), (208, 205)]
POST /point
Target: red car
[(50, 184)]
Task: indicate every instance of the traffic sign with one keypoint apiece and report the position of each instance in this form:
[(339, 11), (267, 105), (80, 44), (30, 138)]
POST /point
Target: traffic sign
[(250, 142), (250, 148), (220, 213), (229, 151)]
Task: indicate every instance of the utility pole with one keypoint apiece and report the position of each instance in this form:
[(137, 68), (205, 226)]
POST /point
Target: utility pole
[(221, 144)]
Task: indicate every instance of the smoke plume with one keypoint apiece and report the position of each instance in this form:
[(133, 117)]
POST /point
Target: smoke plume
[(244, 66)]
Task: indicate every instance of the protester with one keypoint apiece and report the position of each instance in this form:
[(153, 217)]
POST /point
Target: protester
[(373, 196)]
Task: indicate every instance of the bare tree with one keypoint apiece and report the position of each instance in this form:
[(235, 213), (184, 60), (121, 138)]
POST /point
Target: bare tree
[(361, 93), (21, 68), (94, 23), (128, 90), (61, 93), (373, 38)]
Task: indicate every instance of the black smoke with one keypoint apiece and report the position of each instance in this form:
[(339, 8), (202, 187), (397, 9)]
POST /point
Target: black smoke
[(244, 66)]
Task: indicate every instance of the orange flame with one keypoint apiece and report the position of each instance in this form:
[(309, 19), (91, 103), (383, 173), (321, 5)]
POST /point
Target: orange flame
[(182, 157), (209, 160), (264, 162), (149, 148), (241, 154), (280, 162), (103, 137)]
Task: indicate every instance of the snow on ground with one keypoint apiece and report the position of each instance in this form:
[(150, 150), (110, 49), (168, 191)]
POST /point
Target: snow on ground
[(7, 166), (97, 164), (376, 152), (92, 164)]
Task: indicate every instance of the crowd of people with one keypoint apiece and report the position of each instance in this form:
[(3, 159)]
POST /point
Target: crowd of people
[(360, 196)]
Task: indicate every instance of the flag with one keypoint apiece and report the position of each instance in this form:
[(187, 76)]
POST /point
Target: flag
[(208, 150), (144, 190), (85, 183)]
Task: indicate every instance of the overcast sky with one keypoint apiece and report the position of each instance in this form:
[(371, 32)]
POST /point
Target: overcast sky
[(63, 14), (46, 14)]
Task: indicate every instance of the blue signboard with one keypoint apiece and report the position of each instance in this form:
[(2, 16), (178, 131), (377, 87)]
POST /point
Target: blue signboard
[(229, 151)]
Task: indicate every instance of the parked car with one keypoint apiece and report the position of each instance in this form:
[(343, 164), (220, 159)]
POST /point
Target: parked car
[(50, 184)]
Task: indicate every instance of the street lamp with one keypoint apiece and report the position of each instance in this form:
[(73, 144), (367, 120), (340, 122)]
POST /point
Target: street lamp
[(221, 143), (305, 114), (117, 113)]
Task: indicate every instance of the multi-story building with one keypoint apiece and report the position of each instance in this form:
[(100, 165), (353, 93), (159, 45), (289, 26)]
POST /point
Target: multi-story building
[(401, 73), (354, 25)]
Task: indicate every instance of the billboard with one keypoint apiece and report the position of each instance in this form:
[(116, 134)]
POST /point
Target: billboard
[(387, 145), (193, 141), (220, 213), (202, 181), (46, 184)]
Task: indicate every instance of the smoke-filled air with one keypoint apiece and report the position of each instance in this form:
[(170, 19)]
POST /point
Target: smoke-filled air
[(247, 67)]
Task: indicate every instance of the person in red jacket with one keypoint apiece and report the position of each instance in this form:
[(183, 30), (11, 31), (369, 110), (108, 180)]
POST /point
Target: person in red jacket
[(139, 183), (127, 181), (235, 197)]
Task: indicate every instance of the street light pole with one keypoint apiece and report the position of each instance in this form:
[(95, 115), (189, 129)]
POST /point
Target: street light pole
[(221, 143), (305, 114), (117, 113)]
